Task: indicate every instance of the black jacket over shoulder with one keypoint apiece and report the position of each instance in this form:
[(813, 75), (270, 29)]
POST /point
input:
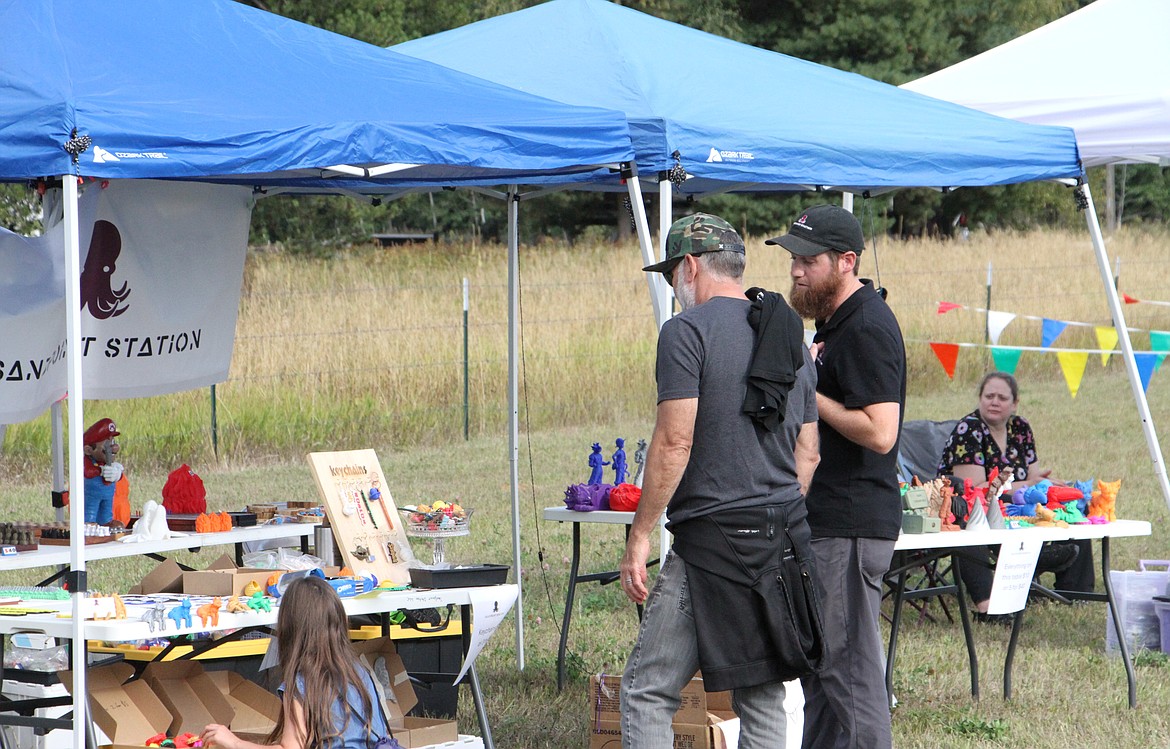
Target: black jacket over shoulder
[(750, 577)]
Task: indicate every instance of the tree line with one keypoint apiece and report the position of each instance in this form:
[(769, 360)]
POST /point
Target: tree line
[(894, 41)]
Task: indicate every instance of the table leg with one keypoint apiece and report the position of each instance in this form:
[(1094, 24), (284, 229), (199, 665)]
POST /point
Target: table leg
[(573, 566), (1009, 659), (895, 621), (1113, 613), (480, 709), (965, 618)]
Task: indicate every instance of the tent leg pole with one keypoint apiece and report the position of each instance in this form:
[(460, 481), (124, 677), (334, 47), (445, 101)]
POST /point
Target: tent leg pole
[(513, 406), (57, 450), (1135, 381), (641, 224), (76, 467)]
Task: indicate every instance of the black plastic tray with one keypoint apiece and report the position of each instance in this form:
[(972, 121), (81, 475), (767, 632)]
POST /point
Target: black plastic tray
[(460, 577)]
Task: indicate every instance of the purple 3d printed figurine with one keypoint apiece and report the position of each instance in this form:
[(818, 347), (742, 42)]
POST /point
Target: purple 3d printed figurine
[(640, 461), (596, 461), (619, 462)]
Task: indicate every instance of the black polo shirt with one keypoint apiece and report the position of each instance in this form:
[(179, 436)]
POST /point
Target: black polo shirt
[(854, 492)]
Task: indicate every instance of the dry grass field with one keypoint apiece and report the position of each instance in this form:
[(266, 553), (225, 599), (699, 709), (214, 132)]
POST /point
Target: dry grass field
[(365, 350)]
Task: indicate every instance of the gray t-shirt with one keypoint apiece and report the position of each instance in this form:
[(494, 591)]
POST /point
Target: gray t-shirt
[(705, 353)]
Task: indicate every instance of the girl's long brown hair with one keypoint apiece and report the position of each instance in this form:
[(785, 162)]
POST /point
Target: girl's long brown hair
[(316, 657)]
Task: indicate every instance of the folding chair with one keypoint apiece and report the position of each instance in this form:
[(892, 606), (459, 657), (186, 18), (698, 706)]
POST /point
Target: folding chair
[(919, 449)]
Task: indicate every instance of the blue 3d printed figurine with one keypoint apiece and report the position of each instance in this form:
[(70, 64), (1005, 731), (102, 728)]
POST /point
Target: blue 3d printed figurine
[(619, 462), (596, 461)]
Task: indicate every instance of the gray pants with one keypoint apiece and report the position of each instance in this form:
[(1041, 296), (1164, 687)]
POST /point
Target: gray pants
[(666, 656), (845, 704)]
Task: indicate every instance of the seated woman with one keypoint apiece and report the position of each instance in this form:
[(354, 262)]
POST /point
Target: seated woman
[(993, 436)]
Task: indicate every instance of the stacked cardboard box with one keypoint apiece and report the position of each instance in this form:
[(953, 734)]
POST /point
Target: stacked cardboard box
[(382, 658), (703, 721)]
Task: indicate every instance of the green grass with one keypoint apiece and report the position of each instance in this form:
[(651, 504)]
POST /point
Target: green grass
[(1067, 691)]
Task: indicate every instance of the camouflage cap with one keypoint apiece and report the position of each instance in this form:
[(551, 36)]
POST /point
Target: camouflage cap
[(694, 235)]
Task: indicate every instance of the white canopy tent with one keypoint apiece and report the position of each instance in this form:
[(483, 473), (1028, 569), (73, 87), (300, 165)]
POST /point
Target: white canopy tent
[(1119, 107)]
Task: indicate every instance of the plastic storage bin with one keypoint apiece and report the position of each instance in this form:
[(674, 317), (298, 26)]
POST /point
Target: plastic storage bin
[(1163, 609), (1134, 592)]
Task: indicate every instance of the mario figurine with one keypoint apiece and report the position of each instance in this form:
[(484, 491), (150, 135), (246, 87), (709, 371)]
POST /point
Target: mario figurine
[(102, 471)]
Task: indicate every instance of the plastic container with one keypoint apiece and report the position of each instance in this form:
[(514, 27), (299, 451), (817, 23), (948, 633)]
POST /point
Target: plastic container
[(1133, 592), (1163, 610)]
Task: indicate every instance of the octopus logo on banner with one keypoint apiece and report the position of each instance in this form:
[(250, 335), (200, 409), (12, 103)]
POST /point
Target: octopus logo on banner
[(97, 289)]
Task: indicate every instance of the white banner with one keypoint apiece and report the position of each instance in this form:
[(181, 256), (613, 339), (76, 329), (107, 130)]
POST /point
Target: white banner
[(162, 267)]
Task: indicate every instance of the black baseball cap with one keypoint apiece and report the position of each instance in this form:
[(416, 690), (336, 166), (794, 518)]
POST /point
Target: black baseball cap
[(822, 228)]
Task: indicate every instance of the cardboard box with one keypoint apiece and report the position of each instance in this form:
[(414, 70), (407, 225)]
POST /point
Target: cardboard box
[(189, 694), (607, 734), (167, 577), (128, 712), (381, 657), (256, 709), (416, 732), (698, 724), (605, 701), (223, 578)]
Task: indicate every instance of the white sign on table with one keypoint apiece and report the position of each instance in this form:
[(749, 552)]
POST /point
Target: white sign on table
[(489, 606), (1013, 575)]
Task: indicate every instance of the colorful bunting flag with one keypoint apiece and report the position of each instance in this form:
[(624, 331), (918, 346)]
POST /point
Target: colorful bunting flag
[(1051, 331), (1006, 359), (1146, 362), (945, 307), (996, 322), (1160, 344), (1106, 341), (1129, 299), (1072, 363), (948, 354)]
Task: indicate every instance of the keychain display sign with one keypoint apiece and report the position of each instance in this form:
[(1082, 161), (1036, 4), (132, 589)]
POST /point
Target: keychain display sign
[(366, 525)]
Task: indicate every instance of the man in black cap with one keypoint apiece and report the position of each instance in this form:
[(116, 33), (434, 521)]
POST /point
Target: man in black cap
[(732, 489), (854, 506)]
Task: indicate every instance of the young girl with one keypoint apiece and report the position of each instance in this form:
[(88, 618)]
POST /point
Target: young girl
[(328, 699)]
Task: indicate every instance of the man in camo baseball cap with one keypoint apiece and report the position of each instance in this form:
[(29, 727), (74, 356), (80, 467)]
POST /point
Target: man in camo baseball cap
[(694, 235)]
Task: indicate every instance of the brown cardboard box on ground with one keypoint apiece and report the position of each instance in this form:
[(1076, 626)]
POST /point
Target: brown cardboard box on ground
[(697, 724), (605, 705), (189, 694), (256, 709), (167, 577), (223, 578), (128, 712), (381, 657)]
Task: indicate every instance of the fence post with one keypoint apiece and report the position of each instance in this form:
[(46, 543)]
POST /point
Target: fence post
[(466, 368), (214, 425), (987, 325)]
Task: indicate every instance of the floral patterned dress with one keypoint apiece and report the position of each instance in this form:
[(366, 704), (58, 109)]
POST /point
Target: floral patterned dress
[(971, 444)]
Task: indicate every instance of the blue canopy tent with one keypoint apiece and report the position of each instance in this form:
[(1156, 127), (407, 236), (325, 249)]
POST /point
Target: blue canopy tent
[(739, 118), (217, 91)]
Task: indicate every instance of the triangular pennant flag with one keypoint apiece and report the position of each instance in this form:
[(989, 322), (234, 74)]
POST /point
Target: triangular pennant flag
[(1106, 341), (1051, 331), (948, 354), (1072, 363), (945, 307), (1128, 299), (1146, 364), (1006, 359), (1159, 344), (996, 322)]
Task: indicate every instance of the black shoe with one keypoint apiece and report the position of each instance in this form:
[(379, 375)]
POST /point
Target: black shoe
[(1057, 557)]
